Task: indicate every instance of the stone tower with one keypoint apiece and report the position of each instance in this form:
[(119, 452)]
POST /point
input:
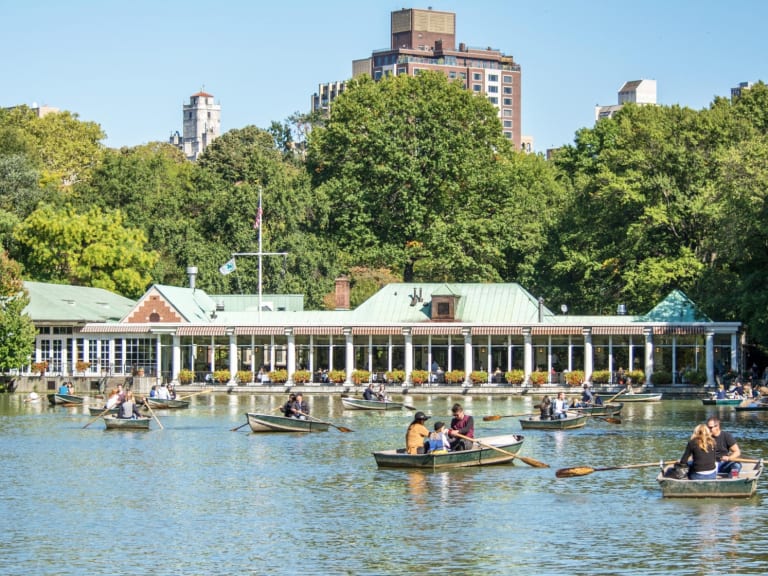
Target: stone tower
[(202, 124)]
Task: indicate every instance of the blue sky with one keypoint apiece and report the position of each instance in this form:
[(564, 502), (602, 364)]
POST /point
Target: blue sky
[(129, 66)]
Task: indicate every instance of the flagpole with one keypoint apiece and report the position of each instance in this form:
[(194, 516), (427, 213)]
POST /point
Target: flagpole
[(260, 227)]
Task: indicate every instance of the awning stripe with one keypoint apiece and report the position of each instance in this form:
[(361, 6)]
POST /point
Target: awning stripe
[(497, 330), (260, 331), (436, 330), (318, 330), (377, 330), (557, 330), (123, 328), (617, 330), (678, 330), (201, 331)]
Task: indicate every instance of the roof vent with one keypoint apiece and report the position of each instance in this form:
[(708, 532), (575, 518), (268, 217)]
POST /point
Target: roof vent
[(219, 306)]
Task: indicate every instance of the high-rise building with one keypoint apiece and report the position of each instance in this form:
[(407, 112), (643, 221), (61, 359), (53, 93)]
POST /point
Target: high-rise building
[(736, 90), (635, 91), (426, 40), (202, 125)]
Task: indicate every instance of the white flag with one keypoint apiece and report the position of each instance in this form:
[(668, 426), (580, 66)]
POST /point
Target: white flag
[(228, 267)]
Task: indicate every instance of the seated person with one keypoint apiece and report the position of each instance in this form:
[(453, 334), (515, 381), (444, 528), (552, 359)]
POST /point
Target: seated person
[(560, 406), (64, 389), (368, 393), (438, 440), (545, 408), (128, 408)]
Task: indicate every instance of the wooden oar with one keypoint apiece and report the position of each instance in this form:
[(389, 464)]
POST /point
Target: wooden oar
[(495, 417), (529, 461), (610, 419), (153, 414), (97, 417), (339, 428), (585, 470), (195, 394)]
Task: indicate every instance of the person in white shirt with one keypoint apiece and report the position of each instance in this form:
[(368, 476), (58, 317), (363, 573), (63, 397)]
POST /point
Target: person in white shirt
[(560, 406)]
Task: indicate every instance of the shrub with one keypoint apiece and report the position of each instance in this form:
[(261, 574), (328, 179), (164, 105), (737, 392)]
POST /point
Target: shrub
[(40, 367), (638, 376), (222, 376), (538, 378), (396, 376), (186, 376), (515, 376), (574, 377), (337, 376), (419, 377), (278, 376), (82, 366), (302, 376), (695, 376), (478, 377), (660, 377), (244, 376), (455, 376), (360, 376), (601, 377)]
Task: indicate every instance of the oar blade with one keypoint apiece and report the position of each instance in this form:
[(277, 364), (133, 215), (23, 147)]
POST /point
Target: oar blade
[(491, 418), (612, 420), (575, 471), (531, 462), (343, 429)]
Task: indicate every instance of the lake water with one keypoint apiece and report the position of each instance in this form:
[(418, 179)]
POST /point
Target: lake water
[(198, 499)]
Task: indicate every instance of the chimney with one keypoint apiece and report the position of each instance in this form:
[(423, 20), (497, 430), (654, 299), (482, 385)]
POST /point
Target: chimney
[(342, 293), (192, 273)]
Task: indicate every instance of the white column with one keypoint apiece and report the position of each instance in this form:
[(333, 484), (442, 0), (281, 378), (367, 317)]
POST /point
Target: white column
[(370, 353), (291, 354), (467, 334), (588, 355), (528, 353), (176, 358), (648, 356), (489, 359), (349, 357), (232, 355), (735, 353), (158, 359), (408, 353), (710, 352)]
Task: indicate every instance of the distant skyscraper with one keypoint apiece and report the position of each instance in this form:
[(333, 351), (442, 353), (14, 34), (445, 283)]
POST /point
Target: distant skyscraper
[(635, 91), (202, 125), (426, 40), (736, 91)]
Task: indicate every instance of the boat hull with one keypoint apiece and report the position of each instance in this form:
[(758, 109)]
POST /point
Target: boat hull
[(572, 421), (478, 456), (606, 410), (65, 400), (754, 407), (742, 487), (167, 404), (362, 404), (114, 423), (645, 397), (273, 423), (721, 402), (98, 411)]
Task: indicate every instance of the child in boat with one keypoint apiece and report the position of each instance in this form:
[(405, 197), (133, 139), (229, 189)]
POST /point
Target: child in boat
[(438, 440)]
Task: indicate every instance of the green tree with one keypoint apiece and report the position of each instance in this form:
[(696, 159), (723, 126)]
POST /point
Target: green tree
[(17, 332), (89, 249)]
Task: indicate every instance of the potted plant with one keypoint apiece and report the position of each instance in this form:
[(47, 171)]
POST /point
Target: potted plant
[(601, 377), (337, 376), (186, 377), (661, 377), (395, 376), (454, 377), (515, 377), (278, 376), (419, 377), (478, 377), (360, 376), (82, 366), (574, 378), (40, 367), (538, 378), (637, 376), (244, 376), (302, 376), (222, 376)]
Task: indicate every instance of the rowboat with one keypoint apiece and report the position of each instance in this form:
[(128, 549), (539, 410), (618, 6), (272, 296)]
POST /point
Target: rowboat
[(97, 411), (274, 423), (644, 397), (742, 486), (363, 404), (166, 403), (721, 401), (66, 400), (567, 423), (115, 423), (753, 406), (605, 410), (479, 455)]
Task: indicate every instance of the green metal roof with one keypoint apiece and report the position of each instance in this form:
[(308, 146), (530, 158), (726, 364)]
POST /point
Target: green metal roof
[(676, 307), (61, 303), (271, 302)]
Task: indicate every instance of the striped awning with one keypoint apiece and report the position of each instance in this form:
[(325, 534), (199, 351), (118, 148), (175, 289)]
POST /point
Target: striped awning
[(557, 330), (201, 331), (497, 330), (377, 330), (617, 330), (260, 331), (122, 328), (436, 330), (678, 330), (318, 330)]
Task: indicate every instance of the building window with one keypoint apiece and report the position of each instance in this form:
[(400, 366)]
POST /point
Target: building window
[(507, 89), (506, 112), (452, 75), (494, 100), (507, 123), (507, 101), (493, 78), (508, 135), (477, 76), (507, 79), (493, 89), (477, 87)]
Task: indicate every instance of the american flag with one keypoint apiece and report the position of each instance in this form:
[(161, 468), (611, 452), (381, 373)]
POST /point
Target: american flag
[(257, 220)]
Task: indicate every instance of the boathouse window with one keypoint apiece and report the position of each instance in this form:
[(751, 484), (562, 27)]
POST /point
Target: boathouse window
[(443, 308)]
